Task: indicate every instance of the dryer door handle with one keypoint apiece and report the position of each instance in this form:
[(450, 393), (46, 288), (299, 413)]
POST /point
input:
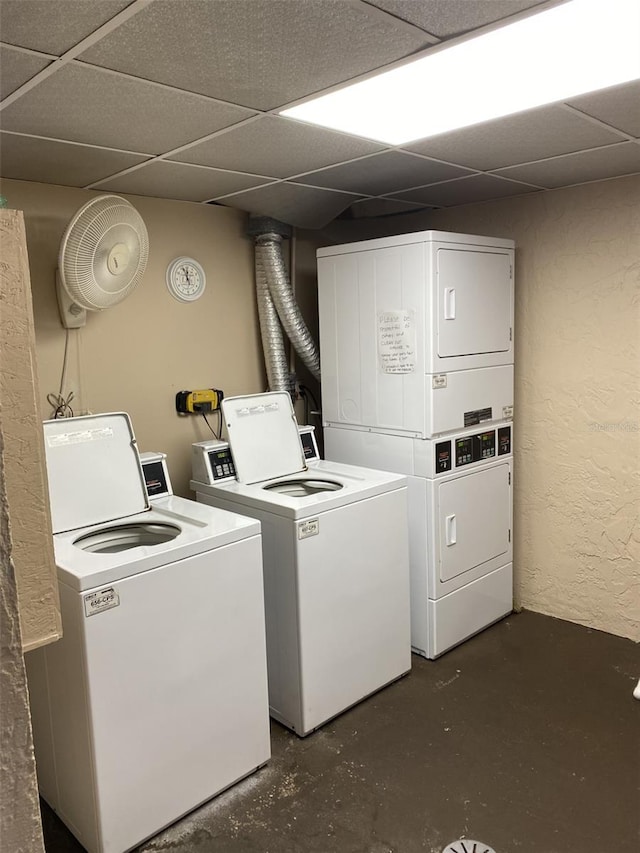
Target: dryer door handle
[(449, 303), (450, 530)]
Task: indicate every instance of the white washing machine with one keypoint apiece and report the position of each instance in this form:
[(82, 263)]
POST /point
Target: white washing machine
[(335, 555), (416, 333), (156, 698), (460, 491)]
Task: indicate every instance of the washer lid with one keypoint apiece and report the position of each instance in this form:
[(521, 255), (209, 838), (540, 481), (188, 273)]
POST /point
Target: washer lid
[(93, 469), (264, 438)]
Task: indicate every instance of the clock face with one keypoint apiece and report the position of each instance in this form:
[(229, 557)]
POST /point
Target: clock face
[(185, 279)]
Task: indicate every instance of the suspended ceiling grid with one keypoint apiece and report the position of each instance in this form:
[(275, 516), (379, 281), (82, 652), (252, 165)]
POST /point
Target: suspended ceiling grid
[(179, 99)]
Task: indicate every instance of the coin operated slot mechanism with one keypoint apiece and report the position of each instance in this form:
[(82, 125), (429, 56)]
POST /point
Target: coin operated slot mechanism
[(504, 440)]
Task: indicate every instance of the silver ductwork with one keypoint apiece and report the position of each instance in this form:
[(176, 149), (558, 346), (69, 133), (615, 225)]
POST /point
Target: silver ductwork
[(277, 307), (270, 330)]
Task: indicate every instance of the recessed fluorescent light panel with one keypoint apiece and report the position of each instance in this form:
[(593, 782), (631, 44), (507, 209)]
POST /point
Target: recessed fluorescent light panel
[(565, 51)]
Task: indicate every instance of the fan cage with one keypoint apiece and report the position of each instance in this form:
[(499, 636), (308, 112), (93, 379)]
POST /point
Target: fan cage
[(101, 225)]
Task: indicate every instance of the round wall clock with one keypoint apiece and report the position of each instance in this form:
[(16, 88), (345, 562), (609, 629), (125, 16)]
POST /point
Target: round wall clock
[(186, 279)]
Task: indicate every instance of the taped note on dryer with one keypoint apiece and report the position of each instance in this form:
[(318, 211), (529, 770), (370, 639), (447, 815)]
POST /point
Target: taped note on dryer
[(397, 341)]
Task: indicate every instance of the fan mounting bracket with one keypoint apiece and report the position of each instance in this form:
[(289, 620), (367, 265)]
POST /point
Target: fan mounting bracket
[(72, 315)]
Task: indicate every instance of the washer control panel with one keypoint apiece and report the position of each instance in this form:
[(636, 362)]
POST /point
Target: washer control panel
[(221, 462), (470, 449), (212, 461)]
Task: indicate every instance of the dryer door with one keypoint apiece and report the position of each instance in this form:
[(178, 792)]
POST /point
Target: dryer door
[(474, 302), (474, 518)]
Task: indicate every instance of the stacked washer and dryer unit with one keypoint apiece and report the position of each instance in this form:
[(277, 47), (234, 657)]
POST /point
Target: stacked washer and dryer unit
[(417, 354)]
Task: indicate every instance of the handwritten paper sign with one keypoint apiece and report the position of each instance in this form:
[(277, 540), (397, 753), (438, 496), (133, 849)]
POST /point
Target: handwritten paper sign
[(397, 341)]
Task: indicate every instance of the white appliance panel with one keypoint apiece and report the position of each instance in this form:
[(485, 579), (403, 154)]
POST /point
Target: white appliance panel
[(474, 520), (98, 454), (355, 642), (264, 437), (399, 318), (159, 703), (452, 402), (489, 491), (337, 604), (474, 302), (466, 611)]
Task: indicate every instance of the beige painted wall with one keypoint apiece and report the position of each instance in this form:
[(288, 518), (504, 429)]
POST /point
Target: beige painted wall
[(24, 468), (135, 356), (577, 399)]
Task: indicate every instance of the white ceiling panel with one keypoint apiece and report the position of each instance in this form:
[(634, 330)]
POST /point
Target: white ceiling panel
[(277, 146), (54, 26), (91, 105), (178, 99), (610, 162), (382, 174), (303, 207), (47, 161), (262, 53), (444, 18), (16, 67), (465, 191), (533, 135), (618, 106), (176, 180)]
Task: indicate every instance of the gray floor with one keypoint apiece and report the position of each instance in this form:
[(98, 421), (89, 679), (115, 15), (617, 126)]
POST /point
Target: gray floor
[(525, 738)]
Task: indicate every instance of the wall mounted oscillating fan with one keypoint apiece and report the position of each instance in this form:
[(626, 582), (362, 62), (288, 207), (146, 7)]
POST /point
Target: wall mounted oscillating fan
[(102, 258)]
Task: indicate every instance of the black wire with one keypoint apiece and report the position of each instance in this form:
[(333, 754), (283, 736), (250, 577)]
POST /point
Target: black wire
[(307, 392), (216, 435)]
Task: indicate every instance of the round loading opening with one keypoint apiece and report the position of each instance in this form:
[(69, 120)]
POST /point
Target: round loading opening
[(111, 540), (303, 488)]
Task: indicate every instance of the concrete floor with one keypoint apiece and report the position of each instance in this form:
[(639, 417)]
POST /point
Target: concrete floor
[(525, 738)]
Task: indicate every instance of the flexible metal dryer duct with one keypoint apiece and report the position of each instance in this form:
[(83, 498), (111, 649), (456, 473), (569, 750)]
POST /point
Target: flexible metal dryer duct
[(270, 331), (278, 295)]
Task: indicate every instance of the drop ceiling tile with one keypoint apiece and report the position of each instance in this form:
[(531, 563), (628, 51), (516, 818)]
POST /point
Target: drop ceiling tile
[(445, 18), (383, 174), (532, 135), (618, 106), (610, 162), (259, 53), (465, 191), (54, 26), (302, 207), (27, 158), (373, 207), (85, 104), (16, 68), (175, 180), (277, 146)]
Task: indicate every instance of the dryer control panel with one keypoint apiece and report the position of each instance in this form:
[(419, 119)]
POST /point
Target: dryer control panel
[(471, 449)]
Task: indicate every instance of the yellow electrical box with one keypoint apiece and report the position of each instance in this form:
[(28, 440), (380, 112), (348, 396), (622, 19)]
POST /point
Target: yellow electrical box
[(198, 402)]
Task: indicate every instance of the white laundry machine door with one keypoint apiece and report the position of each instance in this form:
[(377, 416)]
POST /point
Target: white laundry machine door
[(474, 302), (473, 513)]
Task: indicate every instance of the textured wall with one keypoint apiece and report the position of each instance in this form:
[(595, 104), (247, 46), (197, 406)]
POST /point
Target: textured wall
[(135, 356), (577, 399), (25, 477), (20, 828)]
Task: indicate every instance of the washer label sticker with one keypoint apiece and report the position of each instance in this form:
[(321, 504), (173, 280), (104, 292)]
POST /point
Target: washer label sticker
[(79, 436), (104, 599), (310, 527), (439, 380)]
